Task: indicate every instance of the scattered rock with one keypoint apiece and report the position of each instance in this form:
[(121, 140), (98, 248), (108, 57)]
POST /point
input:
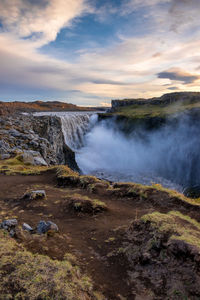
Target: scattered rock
[(35, 195), (33, 158), (14, 132), (27, 227), (12, 233), (45, 227), (9, 224)]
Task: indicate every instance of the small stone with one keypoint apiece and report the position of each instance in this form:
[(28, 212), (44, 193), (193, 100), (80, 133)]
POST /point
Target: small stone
[(52, 226), (12, 233), (9, 224), (44, 227), (35, 195), (27, 227)]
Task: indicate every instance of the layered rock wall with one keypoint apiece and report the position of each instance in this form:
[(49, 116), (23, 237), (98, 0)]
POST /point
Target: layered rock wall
[(37, 137)]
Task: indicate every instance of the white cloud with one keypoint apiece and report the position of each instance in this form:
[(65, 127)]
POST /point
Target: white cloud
[(127, 68), (40, 19)]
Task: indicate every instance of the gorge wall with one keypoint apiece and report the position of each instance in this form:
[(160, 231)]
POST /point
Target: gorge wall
[(38, 137)]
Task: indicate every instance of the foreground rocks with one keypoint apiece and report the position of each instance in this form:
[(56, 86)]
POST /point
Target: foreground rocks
[(46, 227), (39, 139), (34, 195), (11, 225)]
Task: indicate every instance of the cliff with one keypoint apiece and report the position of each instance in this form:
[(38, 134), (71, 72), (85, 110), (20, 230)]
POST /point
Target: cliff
[(166, 99), (40, 139)]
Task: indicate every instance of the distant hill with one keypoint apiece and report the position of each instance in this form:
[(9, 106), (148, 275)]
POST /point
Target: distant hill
[(37, 106), (166, 99)]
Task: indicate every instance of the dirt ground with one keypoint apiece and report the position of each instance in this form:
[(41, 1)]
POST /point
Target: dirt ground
[(89, 237)]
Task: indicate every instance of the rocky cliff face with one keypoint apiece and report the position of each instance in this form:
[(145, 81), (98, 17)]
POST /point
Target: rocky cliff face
[(40, 139), (190, 97)]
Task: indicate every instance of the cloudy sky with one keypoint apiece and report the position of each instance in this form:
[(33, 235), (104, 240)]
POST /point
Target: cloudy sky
[(88, 52)]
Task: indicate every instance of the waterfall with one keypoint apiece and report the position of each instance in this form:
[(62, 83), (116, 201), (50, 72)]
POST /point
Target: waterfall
[(75, 126)]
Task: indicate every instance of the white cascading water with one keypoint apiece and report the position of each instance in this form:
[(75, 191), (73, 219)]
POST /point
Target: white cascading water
[(74, 126)]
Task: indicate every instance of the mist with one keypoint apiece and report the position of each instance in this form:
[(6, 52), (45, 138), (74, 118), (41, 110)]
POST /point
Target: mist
[(168, 155)]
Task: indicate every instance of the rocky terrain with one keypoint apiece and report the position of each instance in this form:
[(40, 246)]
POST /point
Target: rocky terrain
[(39, 140), (98, 240), (69, 236)]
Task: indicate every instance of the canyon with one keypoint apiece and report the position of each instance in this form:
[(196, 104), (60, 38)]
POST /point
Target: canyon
[(113, 184)]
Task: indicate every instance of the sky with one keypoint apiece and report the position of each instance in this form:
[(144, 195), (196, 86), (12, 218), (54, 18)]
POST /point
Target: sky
[(88, 52)]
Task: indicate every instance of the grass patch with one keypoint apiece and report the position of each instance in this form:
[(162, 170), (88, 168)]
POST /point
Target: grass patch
[(85, 204), (64, 171), (15, 165), (27, 276), (137, 111), (136, 189), (179, 226)]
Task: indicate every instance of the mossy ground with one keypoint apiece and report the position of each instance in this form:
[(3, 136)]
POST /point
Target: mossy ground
[(179, 226), (85, 204), (88, 240), (131, 189), (27, 276), (16, 166), (152, 111)]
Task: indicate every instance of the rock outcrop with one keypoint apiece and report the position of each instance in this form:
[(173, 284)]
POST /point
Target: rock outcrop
[(40, 140)]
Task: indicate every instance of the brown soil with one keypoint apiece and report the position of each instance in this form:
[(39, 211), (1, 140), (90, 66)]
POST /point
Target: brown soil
[(91, 237)]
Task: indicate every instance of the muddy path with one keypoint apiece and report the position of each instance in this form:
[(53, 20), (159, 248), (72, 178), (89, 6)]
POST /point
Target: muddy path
[(89, 237)]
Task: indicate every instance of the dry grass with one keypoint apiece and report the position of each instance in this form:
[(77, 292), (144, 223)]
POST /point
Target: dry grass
[(84, 204), (179, 226), (27, 276)]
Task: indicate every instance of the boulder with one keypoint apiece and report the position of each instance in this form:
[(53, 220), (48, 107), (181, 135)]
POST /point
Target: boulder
[(35, 195), (45, 227), (33, 158), (9, 224)]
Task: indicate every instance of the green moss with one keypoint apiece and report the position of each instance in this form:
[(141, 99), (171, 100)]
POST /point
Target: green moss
[(177, 225), (97, 203), (150, 111), (27, 276), (86, 180), (16, 165), (85, 204), (64, 171), (145, 190)]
